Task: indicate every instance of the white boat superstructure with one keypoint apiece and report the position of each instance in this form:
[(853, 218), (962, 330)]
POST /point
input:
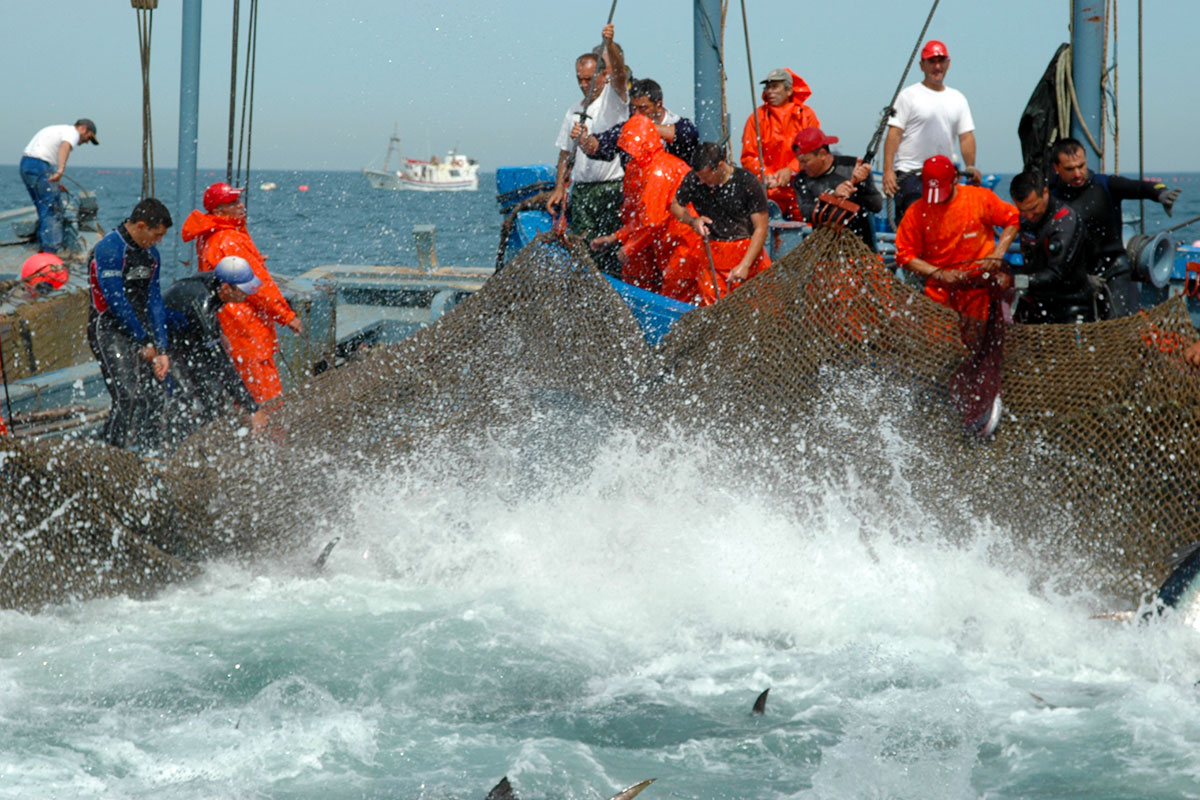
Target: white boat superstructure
[(454, 173)]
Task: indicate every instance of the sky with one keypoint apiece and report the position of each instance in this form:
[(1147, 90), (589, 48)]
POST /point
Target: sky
[(494, 78)]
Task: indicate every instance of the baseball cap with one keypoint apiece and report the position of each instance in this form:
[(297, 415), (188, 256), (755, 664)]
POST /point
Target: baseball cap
[(934, 49), (237, 272), (219, 194), (808, 140), (778, 75), (91, 127), (938, 175)]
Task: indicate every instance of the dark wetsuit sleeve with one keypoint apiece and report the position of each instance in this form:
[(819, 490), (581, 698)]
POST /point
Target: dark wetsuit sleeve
[(868, 196), (806, 196), (608, 144), (1130, 189), (686, 139), (1062, 240), (110, 278)]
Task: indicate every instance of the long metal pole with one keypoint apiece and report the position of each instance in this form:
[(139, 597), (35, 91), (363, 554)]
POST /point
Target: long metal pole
[(189, 132), (1088, 23), (706, 61), (762, 164)]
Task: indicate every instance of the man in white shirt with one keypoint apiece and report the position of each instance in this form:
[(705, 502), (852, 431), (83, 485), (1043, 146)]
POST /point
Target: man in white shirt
[(927, 119), (42, 165), (596, 192)]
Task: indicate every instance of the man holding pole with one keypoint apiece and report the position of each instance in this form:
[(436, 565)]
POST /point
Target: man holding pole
[(595, 186), (731, 220)]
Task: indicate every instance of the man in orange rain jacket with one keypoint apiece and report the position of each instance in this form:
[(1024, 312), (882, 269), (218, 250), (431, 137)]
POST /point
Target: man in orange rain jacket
[(649, 235), (782, 116), (731, 209), (948, 237), (249, 326)]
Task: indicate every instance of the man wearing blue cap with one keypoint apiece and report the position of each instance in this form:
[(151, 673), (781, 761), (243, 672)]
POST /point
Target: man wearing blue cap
[(203, 371)]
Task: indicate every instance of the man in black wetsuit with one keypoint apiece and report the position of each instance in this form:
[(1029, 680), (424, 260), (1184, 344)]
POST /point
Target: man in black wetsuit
[(1097, 199), (204, 375), (844, 176), (1056, 253), (678, 133)]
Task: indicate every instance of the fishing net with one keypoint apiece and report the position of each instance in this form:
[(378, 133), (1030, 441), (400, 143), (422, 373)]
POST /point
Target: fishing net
[(1091, 471)]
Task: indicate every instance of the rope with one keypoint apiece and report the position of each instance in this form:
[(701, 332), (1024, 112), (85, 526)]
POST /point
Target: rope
[(244, 129), (537, 201), (873, 145), (1103, 81), (1141, 137), (1087, 132), (762, 166), (721, 57), (1115, 103), (247, 127), (145, 24), (4, 376), (233, 71), (1063, 101)]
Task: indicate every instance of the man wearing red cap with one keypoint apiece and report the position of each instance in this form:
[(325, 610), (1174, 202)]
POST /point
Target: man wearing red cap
[(847, 177), (947, 237), (249, 326), (927, 119), (782, 115)]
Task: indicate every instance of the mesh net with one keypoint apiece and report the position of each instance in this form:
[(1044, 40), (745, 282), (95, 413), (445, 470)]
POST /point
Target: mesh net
[(1092, 461)]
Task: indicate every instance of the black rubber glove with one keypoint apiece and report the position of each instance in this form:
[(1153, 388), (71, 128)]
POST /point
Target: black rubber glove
[(1167, 197)]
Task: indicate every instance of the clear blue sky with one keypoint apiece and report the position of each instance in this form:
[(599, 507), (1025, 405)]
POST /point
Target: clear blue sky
[(494, 78)]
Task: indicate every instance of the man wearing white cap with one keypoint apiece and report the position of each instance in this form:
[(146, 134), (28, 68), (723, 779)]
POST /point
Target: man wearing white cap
[(220, 231), (927, 120), (201, 366)]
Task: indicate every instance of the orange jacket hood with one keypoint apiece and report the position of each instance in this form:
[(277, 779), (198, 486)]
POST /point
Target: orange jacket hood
[(199, 223), (639, 138), (800, 90)]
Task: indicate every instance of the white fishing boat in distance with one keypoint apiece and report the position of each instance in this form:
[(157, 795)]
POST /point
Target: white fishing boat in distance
[(454, 173)]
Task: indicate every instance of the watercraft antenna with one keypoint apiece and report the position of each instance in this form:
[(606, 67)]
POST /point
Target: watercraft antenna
[(873, 146), (762, 164)]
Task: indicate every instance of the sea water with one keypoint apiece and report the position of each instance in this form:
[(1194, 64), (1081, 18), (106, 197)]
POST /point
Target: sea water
[(582, 622)]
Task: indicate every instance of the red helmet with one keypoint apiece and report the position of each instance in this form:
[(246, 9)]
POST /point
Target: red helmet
[(219, 194), (44, 268)]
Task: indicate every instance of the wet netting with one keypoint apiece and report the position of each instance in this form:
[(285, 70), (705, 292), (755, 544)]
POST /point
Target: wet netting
[(1093, 465)]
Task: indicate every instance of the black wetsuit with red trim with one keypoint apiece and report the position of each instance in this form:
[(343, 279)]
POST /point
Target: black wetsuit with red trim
[(1057, 255)]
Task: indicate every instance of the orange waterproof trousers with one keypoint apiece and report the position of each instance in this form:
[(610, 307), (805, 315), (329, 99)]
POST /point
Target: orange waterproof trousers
[(725, 256)]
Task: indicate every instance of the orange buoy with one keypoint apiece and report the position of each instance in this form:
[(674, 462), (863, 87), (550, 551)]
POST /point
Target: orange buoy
[(44, 272)]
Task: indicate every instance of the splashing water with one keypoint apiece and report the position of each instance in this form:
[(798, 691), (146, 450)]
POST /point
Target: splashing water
[(591, 607)]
